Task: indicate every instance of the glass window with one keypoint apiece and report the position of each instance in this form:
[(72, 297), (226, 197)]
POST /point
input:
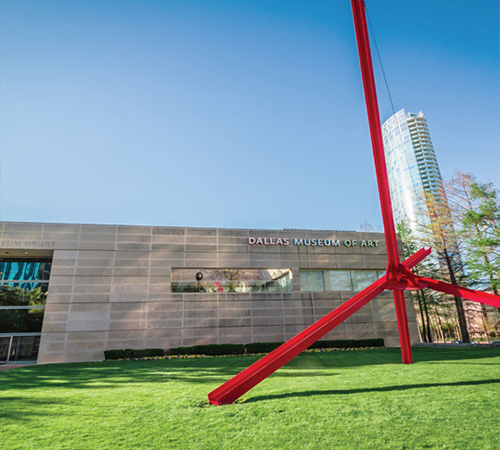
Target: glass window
[(231, 280), (25, 270), (363, 278), (24, 282), (338, 280), (312, 280), (27, 285), (21, 320), (13, 294)]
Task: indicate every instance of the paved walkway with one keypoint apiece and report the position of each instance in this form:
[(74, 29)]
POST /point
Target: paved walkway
[(13, 366)]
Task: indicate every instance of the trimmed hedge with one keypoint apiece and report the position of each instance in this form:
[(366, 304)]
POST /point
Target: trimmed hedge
[(234, 349), (133, 353), (213, 349), (349, 343), (262, 347), (266, 347), (113, 354), (151, 352)]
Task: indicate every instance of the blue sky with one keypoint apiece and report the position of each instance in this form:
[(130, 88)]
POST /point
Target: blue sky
[(230, 113)]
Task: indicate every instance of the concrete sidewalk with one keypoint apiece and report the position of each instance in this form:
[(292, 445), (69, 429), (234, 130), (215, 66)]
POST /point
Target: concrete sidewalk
[(13, 366)]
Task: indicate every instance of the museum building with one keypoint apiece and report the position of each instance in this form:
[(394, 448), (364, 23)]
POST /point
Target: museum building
[(69, 291)]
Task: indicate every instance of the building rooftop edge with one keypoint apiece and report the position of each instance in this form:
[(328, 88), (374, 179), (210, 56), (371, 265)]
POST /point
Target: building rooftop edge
[(187, 227)]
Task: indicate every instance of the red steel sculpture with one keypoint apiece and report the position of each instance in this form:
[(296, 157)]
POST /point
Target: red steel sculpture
[(398, 276)]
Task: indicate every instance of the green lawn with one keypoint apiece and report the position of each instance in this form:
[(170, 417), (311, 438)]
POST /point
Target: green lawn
[(365, 399)]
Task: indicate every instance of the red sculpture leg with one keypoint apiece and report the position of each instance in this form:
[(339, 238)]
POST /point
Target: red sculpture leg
[(248, 378), (468, 294), (404, 332)]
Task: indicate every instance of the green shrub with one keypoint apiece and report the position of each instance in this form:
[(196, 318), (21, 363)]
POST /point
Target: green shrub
[(113, 354), (180, 351), (128, 353), (339, 343), (211, 349), (133, 353), (266, 347), (262, 347), (375, 342), (234, 349), (155, 352), (148, 352), (349, 343)]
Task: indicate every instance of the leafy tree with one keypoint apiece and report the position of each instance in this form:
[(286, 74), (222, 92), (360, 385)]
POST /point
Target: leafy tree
[(17, 296), (439, 232), (477, 210)]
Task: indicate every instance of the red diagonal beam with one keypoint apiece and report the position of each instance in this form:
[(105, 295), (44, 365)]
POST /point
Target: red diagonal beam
[(414, 259), (468, 294), (251, 376)]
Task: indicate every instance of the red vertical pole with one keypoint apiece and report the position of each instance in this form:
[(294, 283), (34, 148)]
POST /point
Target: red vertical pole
[(404, 333), (365, 59)]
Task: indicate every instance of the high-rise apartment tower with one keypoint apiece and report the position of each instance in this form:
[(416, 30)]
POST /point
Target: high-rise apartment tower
[(413, 172), (411, 166)]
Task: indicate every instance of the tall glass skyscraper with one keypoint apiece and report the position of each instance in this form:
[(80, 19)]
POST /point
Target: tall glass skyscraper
[(413, 172), (411, 166)]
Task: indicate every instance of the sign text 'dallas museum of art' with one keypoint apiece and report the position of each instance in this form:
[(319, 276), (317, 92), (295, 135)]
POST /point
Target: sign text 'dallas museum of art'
[(312, 242)]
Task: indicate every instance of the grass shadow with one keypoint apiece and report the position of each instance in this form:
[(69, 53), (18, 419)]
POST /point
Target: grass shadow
[(404, 387), (24, 409), (111, 374)]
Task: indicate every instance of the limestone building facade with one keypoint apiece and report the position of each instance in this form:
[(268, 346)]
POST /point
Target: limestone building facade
[(98, 287)]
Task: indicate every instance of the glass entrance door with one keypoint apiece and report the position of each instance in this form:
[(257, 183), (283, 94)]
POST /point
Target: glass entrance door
[(19, 348), (24, 348), (5, 345)]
